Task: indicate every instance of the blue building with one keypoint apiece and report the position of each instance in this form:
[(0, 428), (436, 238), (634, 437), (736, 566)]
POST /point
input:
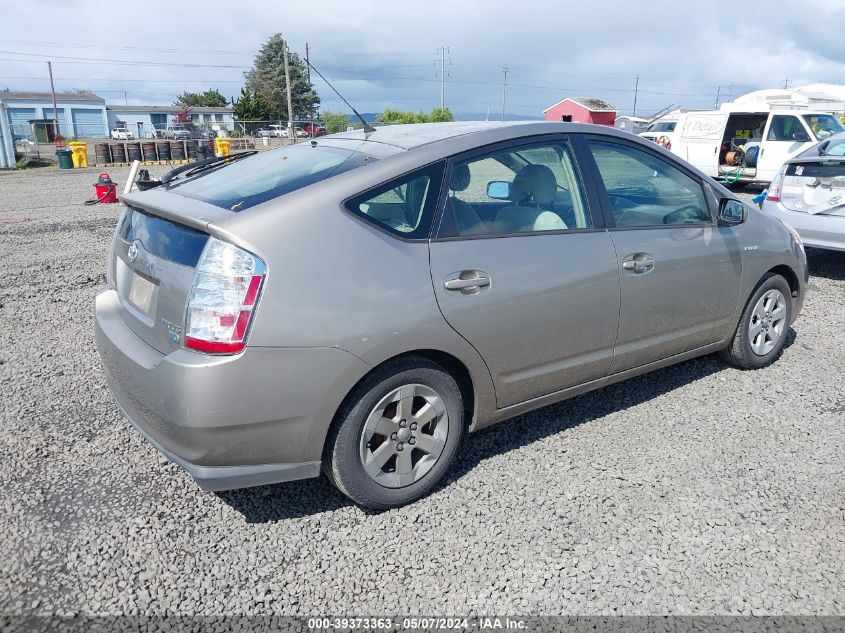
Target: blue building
[(80, 115)]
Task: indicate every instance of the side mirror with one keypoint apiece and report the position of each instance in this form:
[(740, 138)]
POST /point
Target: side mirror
[(801, 137), (499, 189), (731, 211)]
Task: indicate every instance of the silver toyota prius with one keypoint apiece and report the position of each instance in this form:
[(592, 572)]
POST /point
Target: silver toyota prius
[(355, 304)]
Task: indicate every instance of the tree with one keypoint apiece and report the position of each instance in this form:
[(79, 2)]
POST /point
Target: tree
[(250, 109), (267, 79), (441, 115), (394, 116), (182, 115), (208, 99), (334, 122)]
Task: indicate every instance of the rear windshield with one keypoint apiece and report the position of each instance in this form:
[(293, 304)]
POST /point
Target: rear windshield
[(163, 238), (250, 181)]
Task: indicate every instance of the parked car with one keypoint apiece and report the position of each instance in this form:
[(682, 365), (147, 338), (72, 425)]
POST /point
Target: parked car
[(178, 131), (661, 132), (313, 129), (122, 134), (281, 131), (748, 146), (357, 304), (808, 193), (262, 131)]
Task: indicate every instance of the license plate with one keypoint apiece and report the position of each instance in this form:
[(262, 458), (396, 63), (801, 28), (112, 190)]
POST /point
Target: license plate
[(141, 293)]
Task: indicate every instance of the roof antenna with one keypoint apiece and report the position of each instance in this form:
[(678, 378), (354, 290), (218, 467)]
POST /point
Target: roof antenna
[(367, 126)]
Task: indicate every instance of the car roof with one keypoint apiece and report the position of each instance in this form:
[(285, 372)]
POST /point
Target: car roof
[(455, 135), (413, 135)]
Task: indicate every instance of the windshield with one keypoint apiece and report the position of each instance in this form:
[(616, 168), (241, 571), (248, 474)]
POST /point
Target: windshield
[(665, 126), (245, 183), (823, 125)]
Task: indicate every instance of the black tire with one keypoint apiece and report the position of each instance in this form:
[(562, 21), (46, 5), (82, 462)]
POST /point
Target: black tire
[(342, 462), (739, 352)]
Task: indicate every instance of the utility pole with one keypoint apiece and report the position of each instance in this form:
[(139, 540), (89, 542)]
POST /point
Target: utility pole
[(55, 110), (125, 99), (636, 91), (505, 70), (718, 90), (291, 135), (786, 83), (443, 50), (308, 71)]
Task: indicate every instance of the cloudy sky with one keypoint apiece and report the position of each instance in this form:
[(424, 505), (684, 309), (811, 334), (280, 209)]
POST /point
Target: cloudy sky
[(386, 53)]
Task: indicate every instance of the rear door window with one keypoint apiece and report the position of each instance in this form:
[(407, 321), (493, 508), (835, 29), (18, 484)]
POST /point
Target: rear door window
[(250, 181), (403, 206)]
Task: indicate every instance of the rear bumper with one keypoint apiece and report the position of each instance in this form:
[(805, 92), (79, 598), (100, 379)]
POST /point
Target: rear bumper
[(817, 231), (254, 418)]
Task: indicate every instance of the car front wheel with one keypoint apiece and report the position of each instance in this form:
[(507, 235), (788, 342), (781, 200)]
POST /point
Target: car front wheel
[(396, 435), (763, 326)]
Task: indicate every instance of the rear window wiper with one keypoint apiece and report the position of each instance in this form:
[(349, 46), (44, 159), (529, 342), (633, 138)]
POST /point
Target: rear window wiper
[(192, 168)]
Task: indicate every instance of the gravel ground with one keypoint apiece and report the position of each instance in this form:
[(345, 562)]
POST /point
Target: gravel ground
[(698, 489)]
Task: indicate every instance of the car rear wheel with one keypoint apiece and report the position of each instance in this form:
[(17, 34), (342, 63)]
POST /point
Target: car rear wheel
[(763, 326), (396, 435)]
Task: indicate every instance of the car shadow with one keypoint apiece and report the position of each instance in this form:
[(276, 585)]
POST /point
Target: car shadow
[(542, 423), (277, 502), (827, 264)]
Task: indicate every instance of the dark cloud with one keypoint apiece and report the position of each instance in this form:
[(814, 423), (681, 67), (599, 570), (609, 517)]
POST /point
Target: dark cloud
[(384, 53)]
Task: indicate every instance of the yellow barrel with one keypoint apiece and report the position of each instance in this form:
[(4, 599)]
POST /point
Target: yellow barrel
[(79, 153), (222, 144)]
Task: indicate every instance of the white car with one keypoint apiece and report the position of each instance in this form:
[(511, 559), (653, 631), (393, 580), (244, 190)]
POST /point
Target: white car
[(122, 134), (808, 194), (660, 132), (281, 131)]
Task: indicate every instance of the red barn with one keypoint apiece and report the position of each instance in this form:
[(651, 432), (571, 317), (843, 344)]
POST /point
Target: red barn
[(582, 110)]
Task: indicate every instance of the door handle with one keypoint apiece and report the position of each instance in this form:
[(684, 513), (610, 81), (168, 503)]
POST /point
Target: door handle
[(639, 263), (465, 284)]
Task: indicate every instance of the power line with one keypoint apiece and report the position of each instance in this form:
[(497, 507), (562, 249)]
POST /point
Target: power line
[(99, 60)]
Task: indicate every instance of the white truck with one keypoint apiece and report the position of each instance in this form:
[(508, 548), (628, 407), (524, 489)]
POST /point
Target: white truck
[(713, 140)]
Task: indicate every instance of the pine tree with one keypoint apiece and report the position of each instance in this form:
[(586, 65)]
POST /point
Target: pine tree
[(267, 80)]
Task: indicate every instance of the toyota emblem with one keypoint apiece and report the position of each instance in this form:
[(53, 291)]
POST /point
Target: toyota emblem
[(132, 253)]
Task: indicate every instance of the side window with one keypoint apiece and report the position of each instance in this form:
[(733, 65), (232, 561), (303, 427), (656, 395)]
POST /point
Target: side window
[(786, 127), (525, 189), (403, 206), (646, 191)]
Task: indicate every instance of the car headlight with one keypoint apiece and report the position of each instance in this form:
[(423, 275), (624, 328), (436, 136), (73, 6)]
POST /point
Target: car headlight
[(794, 234)]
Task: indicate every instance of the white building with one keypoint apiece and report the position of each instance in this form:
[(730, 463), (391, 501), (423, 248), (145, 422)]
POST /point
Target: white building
[(143, 120)]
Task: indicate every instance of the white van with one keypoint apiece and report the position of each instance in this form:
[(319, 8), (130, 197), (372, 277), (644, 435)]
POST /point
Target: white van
[(768, 137)]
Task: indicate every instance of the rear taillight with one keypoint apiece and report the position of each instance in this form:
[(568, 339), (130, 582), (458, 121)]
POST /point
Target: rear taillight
[(776, 186), (226, 288)]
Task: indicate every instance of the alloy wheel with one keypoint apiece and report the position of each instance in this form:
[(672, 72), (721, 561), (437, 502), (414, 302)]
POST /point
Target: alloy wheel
[(404, 436), (768, 319)]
